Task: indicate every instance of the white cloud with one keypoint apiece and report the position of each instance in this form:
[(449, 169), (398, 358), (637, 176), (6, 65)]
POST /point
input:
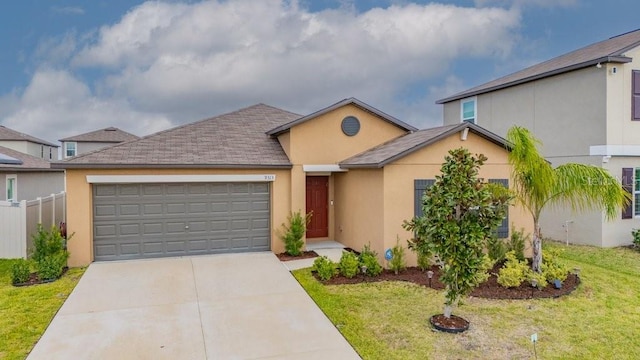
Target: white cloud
[(530, 3), (57, 105)]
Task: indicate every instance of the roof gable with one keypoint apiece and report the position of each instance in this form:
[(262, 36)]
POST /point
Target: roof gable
[(232, 140), (350, 101), (12, 135), (402, 146), (106, 135), (608, 51)]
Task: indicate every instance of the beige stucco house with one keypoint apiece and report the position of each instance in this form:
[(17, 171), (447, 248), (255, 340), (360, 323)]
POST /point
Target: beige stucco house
[(585, 107), (228, 183), (94, 140)]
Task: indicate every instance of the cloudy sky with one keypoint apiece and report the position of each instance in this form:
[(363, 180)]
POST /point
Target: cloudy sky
[(68, 67)]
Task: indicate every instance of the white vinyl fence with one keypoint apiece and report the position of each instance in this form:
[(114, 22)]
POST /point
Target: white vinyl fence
[(19, 222)]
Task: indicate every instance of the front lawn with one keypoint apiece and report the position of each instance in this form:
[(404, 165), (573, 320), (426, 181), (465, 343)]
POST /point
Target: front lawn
[(601, 319), (25, 312)]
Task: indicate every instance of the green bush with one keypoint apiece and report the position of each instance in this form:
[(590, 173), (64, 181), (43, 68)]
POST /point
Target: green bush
[(20, 271), (483, 271), (293, 232), (551, 267), (369, 258), (398, 260), (636, 237), (517, 243), (324, 267), (539, 277), (51, 267), (349, 264), (514, 271), (47, 243), (424, 261), (496, 249)]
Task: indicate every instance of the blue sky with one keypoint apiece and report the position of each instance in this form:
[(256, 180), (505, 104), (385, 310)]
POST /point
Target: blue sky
[(68, 67)]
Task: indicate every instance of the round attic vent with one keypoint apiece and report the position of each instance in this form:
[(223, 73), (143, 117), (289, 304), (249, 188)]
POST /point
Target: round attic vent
[(350, 125)]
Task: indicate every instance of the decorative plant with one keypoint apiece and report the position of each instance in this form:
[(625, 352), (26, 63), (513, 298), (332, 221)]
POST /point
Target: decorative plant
[(517, 242), (349, 264), (514, 271), (552, 268), (49, 253), (496, 249), (424, 261), (398, 260), (459, 213), (369, 261), (538, 184), (20, 271), (324, 267), (293, 232), (636, 237)]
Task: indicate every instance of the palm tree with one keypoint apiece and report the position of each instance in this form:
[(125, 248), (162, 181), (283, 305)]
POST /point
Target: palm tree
[(538, 184)]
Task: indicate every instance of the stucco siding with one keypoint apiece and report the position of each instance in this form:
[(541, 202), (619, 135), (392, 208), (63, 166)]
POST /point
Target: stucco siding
[(80, 209), (621, 130), (617, 232)]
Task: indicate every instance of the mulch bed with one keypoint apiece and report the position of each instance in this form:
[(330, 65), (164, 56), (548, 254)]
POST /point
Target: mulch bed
[(489, 289), (304, 255), (35, 280)]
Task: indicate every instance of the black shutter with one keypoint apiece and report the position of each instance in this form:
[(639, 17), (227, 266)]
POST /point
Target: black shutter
[(419, 187), (627, 185), (635, 95), (502, 230)]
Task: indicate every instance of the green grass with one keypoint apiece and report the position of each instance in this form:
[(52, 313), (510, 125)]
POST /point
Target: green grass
[(600, 320), (25, 312)]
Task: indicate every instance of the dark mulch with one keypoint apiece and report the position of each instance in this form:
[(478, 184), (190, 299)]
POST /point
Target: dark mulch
[(304, 255), (489, 289), (453, 324), (35, 280)]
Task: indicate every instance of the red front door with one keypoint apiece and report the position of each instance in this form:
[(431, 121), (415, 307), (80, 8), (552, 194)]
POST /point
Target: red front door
[(317, 204)]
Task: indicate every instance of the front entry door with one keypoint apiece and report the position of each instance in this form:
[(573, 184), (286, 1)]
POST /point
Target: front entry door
[(317, 203)]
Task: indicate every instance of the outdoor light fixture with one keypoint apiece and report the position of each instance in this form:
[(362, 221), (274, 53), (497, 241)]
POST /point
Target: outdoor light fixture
[(430, 276), (576, 271), (364, 269), (534, 284)]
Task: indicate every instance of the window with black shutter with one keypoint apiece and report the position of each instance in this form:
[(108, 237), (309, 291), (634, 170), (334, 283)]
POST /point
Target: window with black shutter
[(635, 95), (419, 187), (627, 185)]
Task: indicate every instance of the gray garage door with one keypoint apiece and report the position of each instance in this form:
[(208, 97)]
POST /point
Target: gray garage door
[(133, 221)]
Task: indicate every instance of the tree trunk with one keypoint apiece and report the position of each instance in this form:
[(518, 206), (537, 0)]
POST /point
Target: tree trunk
[(536, 264), (448, 309)]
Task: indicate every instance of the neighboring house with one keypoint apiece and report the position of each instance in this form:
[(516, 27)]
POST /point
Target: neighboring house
[(585, 107), (94, 140), (228, 183), (28, 144), (26, 177)]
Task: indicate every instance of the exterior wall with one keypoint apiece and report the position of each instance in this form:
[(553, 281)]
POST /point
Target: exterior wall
[(617, 232), (566, 112), (31, 185), (32, 149), (359, 209), (17, 146), (80, 204), (425, 164), (621, 130)]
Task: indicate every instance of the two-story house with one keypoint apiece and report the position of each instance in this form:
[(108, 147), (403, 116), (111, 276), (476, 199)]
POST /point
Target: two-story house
[(28, 144), (585, 108), (94, 140)]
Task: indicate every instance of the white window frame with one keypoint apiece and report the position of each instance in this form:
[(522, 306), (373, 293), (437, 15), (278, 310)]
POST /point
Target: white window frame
[(66, 149), (475, 109), (14, 188)]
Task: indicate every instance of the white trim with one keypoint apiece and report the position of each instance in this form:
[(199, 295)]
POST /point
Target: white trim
[(614, 150), (134, 179), (323, 168), (475, 109), (14, 189), (75, 149)]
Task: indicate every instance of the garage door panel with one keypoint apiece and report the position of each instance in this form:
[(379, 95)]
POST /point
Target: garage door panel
[(153, 220)]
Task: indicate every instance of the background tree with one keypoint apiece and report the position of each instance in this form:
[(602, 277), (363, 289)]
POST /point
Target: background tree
[(538, 184), (460, 213)]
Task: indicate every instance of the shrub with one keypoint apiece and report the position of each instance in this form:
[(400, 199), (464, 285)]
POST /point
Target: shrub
[(636, 237), (483, 270), (398, 260), (514, 271), (517, 243), (551, 268), (538, 277), (324, 267), (424, 261), (369, 258), (51, 267), (20, 271), (47, 243), (349, 264), (293, 232), (496, 249)]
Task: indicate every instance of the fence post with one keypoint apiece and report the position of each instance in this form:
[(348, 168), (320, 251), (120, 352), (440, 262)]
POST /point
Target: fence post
[(23, 229), (39, 209), (53, 209)]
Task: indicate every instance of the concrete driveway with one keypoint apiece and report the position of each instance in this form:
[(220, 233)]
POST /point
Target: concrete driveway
[(236, 306)]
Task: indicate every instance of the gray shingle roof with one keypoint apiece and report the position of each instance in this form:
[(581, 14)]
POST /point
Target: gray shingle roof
[(12, 135), (232, 140), (106, 135), (350, 101), (27, 162), (607, 51), (404, 145)]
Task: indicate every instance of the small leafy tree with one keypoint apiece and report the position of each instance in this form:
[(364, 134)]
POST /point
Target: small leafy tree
[(293, 232), (349, 264), (398, 260), (460, 212), (369, 259)]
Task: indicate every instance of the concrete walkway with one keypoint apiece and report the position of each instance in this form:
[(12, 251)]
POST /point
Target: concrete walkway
[(237, 306)]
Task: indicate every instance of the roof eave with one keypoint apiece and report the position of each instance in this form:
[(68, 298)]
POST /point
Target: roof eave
[(602, 60), (65, 165)]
